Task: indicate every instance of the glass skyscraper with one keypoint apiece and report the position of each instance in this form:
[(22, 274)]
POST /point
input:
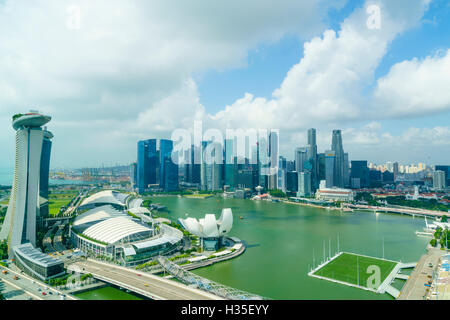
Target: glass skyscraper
[(147, 164), (330, 160), (336, 146), (168, 170), (360, 171), (312, 157)]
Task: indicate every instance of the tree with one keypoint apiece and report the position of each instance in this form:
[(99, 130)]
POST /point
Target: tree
[(444, 218), (433, 242)]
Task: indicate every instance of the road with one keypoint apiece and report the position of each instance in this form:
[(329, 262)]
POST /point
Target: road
[(415, 288), (57, 240), (410, 211), (25, 287), (149, 285)]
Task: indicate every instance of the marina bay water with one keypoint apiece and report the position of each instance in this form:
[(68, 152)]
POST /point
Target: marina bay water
[(7, 177), (107, 293), (283, 239)]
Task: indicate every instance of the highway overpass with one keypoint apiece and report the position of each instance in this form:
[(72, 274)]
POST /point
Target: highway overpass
[(145, 284)]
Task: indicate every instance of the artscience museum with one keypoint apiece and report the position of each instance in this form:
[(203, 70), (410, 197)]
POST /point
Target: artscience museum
[(210, 230)]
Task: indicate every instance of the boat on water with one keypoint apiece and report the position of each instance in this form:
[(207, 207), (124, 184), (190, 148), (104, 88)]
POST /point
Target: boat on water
[(347, 210), (241, 217)]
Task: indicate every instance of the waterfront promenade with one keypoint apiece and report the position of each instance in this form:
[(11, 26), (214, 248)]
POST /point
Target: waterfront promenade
[(415, 288)]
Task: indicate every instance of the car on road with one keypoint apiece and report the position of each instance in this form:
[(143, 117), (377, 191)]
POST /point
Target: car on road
[(44, 294), (16, 278)]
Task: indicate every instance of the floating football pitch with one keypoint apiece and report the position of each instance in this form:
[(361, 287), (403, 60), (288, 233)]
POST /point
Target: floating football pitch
[(356, 270)]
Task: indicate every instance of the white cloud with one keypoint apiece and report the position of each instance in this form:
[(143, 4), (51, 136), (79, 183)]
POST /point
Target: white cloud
[(126, 73), (327, 85), (128, 62), (416, 87)]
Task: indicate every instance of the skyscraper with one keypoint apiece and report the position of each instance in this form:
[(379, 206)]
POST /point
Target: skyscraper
[(330, 164), (273, 160), (336, 146), (446, 170), (439, 180), (304, 184), (301, 156), (168, 170), (44, 176), (211, 173), (282, 164), (20, 222), (312, 157), (395, 170), (230, 169), (192, 168), (346, 171), (147, 164), (360, 174)]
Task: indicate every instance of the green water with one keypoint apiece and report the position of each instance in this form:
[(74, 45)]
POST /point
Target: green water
[(281, 239), (107, 293)]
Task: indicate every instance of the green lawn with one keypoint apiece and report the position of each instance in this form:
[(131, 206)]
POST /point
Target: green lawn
[(344, 268), (56, 201)]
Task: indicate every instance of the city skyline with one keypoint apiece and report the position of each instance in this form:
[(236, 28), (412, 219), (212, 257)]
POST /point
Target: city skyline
[(302, 72)]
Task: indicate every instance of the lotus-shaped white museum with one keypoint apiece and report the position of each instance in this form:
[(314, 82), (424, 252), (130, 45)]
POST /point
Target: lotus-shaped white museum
[(209, 227)]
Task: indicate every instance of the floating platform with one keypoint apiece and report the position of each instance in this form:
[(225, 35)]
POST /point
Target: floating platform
[(362, 272)]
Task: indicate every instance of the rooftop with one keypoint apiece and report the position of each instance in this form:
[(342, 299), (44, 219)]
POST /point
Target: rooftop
[(30, 120), (27, 250)]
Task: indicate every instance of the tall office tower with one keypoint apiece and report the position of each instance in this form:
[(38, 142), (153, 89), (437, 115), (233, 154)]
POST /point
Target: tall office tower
[(211, 173), (446, 170), (346, 171), (44, 177), (167, 169), (147, 164), (360, 175), (262, 159), (133, 174), (439, 180), (281, 183), (395, 170), (170, 175), (321, 167), (20, 222), (336, 146), (304, 184), (192, 168), (312, 156), (375, 179), (292, 181), (387, 177), (273, 160), (330, 161), (290, 165), (229, 170), (301, 157)]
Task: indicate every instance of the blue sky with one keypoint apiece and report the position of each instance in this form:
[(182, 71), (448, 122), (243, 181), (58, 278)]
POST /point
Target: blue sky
[(140, 69), (268, 64)]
